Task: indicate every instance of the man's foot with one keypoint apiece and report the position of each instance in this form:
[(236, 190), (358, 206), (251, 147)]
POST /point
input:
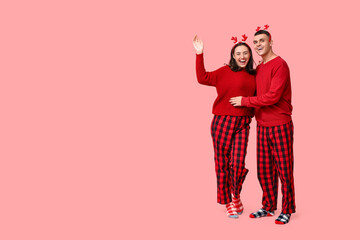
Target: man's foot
[(283, 218), (261, 213), (231, 212), (239, 208)]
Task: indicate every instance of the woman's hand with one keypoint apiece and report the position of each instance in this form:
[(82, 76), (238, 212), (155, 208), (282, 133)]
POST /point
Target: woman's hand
[(198, 45), (235, 101)]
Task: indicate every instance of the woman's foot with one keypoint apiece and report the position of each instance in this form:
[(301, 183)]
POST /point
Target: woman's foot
[(239, 208), (231, 212)]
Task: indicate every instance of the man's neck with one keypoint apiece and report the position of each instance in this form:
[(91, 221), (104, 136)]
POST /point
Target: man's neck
[(269, 56)]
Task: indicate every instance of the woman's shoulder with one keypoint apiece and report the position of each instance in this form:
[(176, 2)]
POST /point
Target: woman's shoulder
[(223, 69)]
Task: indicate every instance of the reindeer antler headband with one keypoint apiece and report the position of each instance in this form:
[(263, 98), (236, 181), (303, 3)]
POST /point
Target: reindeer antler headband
[(244, 37), (265, 29)]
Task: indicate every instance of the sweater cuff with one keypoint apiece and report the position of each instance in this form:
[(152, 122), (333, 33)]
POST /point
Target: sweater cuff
[(245, 101)]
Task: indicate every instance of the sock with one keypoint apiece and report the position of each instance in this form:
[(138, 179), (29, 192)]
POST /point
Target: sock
[(239, 208), (283, 218), (261, 213), (231, 212)]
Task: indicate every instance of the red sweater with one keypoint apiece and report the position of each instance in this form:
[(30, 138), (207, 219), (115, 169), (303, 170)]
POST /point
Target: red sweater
[(273, 90), (228, 84)]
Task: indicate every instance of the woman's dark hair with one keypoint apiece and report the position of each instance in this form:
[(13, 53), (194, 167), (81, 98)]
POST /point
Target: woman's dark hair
[(233, 65)]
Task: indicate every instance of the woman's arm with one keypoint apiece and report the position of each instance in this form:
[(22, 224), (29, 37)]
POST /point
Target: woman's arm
[(203, 77)]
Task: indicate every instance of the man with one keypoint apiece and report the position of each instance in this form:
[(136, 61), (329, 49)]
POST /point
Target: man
[(275, 129)]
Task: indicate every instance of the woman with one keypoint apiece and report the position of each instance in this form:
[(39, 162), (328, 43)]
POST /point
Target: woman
[(230, 125)]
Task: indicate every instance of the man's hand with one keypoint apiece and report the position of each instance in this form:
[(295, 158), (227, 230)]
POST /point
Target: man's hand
[(236, 101)]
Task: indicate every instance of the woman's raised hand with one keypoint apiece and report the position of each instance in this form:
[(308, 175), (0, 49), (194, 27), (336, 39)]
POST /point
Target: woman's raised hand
[(198, 45)]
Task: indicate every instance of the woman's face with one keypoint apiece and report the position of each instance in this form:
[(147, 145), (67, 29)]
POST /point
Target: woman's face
[(241, 56)]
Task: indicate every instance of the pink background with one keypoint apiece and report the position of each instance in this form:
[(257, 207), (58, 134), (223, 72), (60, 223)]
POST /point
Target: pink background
[(105, 132)]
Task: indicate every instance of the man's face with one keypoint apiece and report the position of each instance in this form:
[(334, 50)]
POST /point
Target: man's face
[(261, 44), (241, 55)]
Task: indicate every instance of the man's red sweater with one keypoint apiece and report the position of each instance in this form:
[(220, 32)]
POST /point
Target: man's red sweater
[(273, 94), (228, 84)]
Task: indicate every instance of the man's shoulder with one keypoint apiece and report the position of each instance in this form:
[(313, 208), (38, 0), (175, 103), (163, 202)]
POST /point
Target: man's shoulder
[(280, 63)]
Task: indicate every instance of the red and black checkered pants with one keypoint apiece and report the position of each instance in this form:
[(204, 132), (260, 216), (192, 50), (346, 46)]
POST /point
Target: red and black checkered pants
[(230, 137), (275, 158)]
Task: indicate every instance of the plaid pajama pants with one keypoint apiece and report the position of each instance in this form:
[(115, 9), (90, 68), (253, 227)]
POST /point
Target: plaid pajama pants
[(230, 137), (275, 158)]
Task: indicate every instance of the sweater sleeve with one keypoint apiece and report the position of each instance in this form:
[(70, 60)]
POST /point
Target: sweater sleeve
[(204, 77), (278, 83)]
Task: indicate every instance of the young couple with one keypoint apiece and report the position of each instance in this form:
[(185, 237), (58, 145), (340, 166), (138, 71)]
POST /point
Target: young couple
[(233, 109)]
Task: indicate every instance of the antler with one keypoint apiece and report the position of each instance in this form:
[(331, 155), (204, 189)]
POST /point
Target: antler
[(258, 29), (244, 38), (235, 39), (266, 27)]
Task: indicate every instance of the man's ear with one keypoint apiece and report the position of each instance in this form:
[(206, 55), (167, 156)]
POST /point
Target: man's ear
[(271, 42)]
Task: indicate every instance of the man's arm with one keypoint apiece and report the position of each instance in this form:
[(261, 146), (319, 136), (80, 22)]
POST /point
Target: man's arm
[(274, 94)]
